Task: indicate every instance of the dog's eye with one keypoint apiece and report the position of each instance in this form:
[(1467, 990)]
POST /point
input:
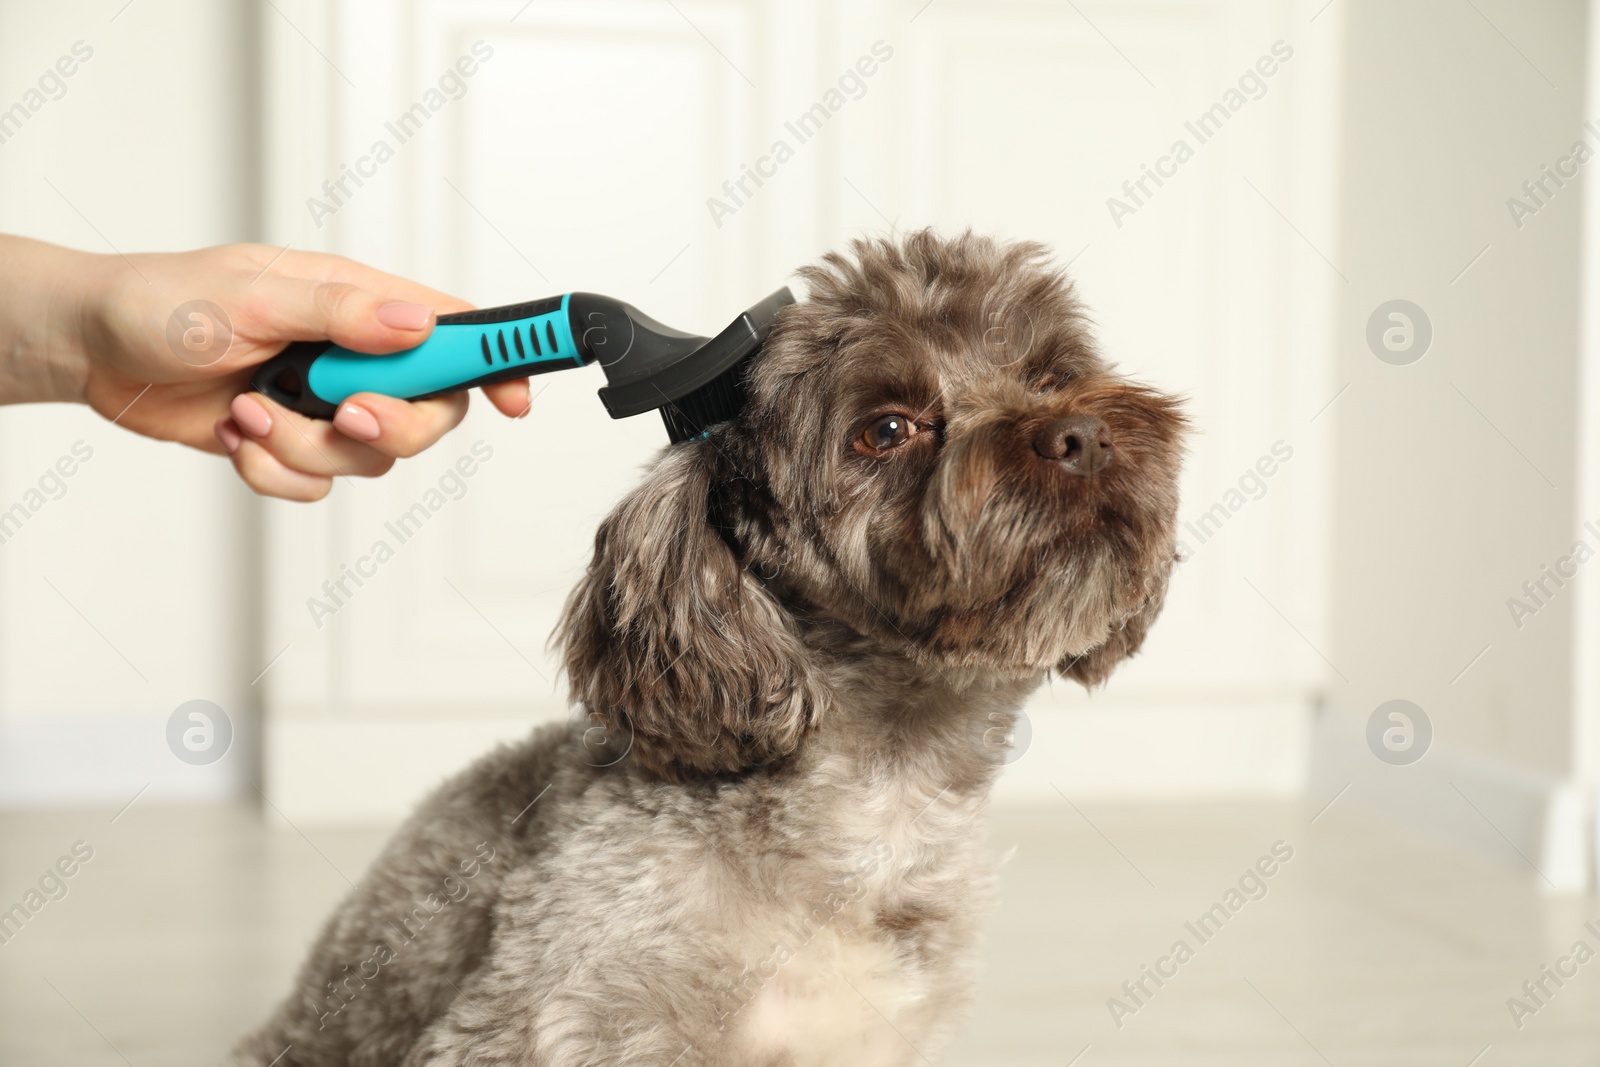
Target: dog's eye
[(888, 431)]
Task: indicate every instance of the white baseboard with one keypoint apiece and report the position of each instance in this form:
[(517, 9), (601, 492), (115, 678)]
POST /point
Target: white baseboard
[(363, 770), (88, 760), (323, 770), (1144, 752), (1540, 822)]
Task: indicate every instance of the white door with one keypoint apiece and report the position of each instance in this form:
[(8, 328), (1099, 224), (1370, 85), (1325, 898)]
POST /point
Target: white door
[(609, 145)]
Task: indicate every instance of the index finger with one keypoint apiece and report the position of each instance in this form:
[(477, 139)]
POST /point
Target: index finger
[(319, 266)]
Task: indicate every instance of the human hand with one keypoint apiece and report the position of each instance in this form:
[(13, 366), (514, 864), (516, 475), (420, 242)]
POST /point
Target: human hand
[(106, 341)]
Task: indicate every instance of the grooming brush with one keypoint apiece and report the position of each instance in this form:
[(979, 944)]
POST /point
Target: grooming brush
[(695, 382)]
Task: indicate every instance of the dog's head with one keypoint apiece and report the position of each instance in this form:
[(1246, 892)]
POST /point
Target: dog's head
[(932, 459)]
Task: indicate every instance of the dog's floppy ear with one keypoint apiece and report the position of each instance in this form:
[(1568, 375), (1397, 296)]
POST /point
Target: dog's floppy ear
[(1095, 666), (673, 644)]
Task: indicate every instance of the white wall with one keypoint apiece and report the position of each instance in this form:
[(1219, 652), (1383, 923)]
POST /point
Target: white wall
[(1457, 476), (1586, 624), (151, 551)]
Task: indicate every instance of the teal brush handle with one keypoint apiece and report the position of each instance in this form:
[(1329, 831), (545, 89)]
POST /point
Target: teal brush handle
[(465, 350)]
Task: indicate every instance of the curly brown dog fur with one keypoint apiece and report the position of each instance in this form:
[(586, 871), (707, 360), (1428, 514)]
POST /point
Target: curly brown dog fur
[(763, 845)]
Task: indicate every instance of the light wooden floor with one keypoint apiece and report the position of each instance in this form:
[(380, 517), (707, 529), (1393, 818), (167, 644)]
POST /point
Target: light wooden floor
[(1369, 948)]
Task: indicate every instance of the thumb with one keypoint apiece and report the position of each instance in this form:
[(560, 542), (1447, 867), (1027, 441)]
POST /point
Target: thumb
[(299, 309)]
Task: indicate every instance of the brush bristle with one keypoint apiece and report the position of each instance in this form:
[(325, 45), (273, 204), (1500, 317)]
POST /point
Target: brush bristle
[(717, 401)]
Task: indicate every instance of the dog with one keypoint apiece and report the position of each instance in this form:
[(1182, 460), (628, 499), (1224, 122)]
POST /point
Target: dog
[(760, 841)]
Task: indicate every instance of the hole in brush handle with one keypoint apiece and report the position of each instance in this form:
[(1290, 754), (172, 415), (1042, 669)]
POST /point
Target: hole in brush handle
[(286, 378)]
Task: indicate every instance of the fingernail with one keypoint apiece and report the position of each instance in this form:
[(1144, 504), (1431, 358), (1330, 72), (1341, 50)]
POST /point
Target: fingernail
[(355, 421), (250, 416), (228, 435), (400, 315)]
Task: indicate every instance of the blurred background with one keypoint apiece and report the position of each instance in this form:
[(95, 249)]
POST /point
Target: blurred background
[(1358, 236)]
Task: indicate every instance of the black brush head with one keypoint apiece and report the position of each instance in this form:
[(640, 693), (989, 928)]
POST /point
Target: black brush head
[(695, 382)]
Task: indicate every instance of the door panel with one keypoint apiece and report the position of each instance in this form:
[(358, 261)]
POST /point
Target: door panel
[(591, 151)]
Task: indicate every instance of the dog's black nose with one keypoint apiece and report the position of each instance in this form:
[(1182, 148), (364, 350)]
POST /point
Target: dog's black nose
[(1080, 443)]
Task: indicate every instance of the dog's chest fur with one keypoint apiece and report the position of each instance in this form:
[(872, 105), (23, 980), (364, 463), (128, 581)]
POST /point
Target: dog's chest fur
[(824, 916), (861, 967)]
